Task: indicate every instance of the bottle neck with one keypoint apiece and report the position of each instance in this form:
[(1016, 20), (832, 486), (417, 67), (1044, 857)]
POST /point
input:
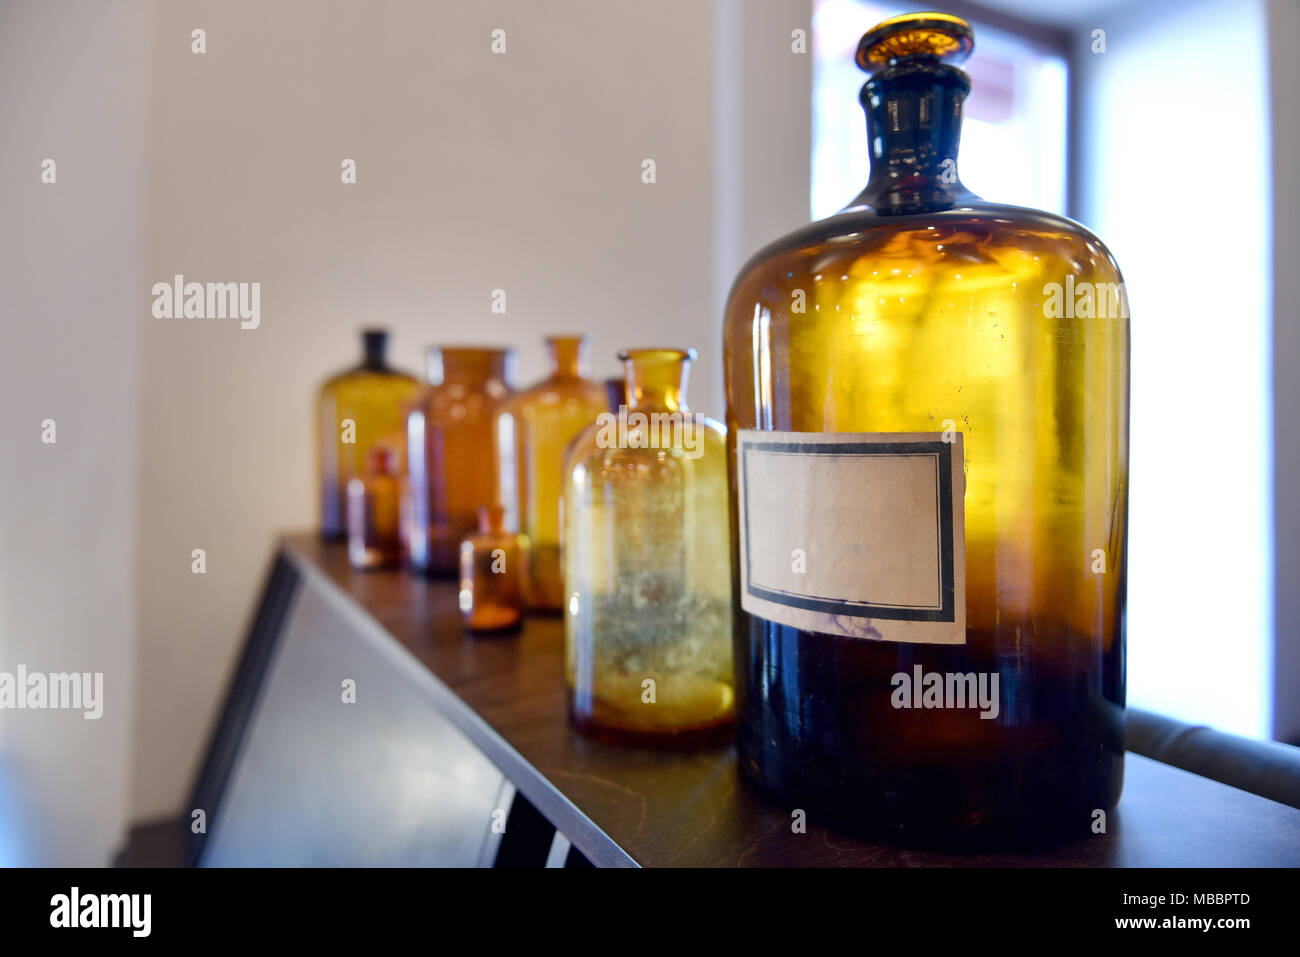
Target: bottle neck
[(568, 356), (374, 344), (615, 393), (472, 366), (492, 519), (914, 112), (656, 378), (382, 460)]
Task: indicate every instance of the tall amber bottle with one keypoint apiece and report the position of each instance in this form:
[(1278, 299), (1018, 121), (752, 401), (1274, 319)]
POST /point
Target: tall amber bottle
[(533, 430), (927, 403), (647, 566), (451, 456), (354, 410)]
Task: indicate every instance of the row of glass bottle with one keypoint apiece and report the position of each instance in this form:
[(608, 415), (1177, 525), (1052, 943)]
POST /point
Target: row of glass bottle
[(606, 503)]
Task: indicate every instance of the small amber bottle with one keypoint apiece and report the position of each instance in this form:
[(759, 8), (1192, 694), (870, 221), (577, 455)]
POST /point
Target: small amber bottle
[(493, 574), (374, 512)]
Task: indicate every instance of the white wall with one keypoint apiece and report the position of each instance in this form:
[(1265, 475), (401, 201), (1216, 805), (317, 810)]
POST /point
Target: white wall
[(73, 88), (475, 172)]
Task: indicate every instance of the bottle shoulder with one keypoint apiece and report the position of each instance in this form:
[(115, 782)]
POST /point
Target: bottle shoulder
[(974, 231), (459, 402), (363, 378), (615, 439), (487, 541), (553, 391)]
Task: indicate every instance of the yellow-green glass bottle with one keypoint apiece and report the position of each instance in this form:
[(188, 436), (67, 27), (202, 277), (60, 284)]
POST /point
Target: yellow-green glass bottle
[(927, 410), (647, 567), (534, 427), (354, 410)]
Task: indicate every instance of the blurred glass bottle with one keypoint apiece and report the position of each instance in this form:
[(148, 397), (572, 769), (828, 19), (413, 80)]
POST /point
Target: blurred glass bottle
[(647, 566), (374, 511), (493, 574), (451, 462), (534, 428), (354, 409)]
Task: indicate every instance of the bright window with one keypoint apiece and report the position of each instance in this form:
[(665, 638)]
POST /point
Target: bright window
[(1157, 138), (1013, 132), (1149, 162)]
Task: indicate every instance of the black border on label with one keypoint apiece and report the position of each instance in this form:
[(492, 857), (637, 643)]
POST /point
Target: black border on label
[(834, 606)]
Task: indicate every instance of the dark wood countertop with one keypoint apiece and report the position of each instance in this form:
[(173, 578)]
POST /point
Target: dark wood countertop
[(673, 809)]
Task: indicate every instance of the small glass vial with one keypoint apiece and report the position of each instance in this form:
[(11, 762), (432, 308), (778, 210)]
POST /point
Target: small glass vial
[(374, 512), (493, 574)]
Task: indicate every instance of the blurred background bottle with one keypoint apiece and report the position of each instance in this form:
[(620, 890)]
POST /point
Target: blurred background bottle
[(373, 510), (451, 460), (533, 430), (354, 409)]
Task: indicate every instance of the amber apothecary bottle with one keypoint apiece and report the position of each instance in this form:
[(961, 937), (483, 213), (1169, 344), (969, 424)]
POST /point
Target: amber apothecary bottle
[(647, 566), (451, 456), (374, 511), (927, 401), (493, 574), (534, 428), (354, 409)]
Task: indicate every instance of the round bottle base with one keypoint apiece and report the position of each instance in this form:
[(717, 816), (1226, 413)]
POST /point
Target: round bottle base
[(688, 711), (933, 809), (705, 736)]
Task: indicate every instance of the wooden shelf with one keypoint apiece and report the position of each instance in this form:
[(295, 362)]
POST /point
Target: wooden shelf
[(449, 727)]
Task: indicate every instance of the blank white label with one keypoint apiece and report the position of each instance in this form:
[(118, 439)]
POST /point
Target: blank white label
[(860, 535)]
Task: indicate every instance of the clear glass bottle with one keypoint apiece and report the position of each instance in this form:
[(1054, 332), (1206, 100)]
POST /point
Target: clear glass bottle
[(647, 566), (982, 351), (534, 428), (374, 511), (354, 409), (493, 574), (451, 456)]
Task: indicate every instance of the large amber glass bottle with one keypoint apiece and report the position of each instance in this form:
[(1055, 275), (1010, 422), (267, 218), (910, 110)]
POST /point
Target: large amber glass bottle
[(533, 430), (355, 409), (647, 566), (451, 456), (928, 433)]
